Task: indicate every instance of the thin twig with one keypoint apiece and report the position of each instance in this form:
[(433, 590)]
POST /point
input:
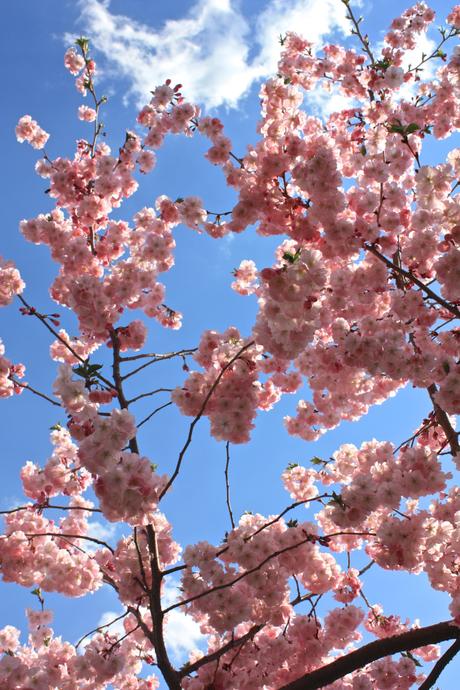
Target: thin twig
[(147, 395), (227, 484), (157, 358), (366, 568), (447, 305), (146, 419), (45, 506), (160, 357), (283, 513), (101, 627), (61, 535), (33, 312), (199, 415), (36, 392), (364, 40), (308, 539)]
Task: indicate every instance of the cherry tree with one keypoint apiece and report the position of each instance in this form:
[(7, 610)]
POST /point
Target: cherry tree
[(362, 299)]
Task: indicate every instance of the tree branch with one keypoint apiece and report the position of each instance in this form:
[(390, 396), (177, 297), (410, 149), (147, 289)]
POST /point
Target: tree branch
[(444, 421), (440, 665), (418, 637), (170, 675), (407, 274), (190, 668)]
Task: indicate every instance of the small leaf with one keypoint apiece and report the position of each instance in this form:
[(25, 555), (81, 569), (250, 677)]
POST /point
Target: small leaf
[(317, 461), (292, 523), (338, 500), (291, 466), (410, 656), (413, 127)]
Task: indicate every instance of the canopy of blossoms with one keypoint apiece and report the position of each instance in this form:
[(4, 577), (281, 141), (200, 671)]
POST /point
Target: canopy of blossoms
[(362, 298)]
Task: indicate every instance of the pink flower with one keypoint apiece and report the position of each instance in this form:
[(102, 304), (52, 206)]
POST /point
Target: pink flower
[(73, 61), (86, 114), (11, 283), (146, 161), (28, 130)]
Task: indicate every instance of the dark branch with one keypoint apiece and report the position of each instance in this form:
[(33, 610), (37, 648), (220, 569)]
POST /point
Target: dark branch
[(440, 665), (418, 637), (190, 668), (227, 484)]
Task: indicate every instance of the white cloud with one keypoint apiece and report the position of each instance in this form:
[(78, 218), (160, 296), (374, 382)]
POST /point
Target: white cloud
[(312, 19), (182, 634), (99, 530), (322, 103), (208, 49)]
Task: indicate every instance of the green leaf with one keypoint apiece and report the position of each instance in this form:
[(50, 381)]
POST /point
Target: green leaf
[(408, 655), (292, 523), (338, 500), (317, 461), (413, 127), (292, 258), (83, 43), (291, 466)]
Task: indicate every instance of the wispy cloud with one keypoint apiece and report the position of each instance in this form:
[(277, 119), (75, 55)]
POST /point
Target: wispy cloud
[(106, 531), (182, 632), (215, 50)]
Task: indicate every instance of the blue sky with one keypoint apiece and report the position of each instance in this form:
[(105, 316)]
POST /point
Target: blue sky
[(219, 51)]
